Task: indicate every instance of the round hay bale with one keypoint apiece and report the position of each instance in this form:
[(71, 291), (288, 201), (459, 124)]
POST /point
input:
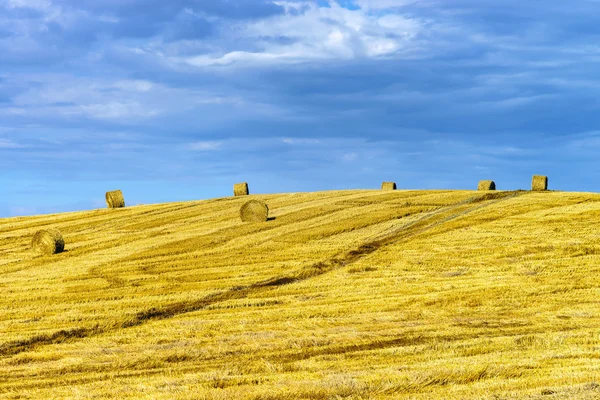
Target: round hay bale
[(48, 241), (388, 186), (241, 189), (254, 211), (115, 199), (486, 185), (539, 183)]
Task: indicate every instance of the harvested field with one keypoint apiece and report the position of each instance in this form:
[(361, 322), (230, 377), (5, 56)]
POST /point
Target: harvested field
[(357, 294)]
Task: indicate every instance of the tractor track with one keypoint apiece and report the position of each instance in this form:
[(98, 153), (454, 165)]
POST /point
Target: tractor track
[(403, 233)]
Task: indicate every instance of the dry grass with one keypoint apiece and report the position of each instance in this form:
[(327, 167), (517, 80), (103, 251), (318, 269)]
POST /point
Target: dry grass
[(486, 185), (254, 211), (48, 241), (345, 294), (388, 186), (241, 189), (115, 199), (539, 183)]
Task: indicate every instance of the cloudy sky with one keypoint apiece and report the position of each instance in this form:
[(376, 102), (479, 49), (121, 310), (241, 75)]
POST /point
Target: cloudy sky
[(177, 100)]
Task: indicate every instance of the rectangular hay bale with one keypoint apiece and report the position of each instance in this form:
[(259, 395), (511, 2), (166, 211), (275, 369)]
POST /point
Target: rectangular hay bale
[(539, 183), (241, 189), (388, 186), (115, 199)]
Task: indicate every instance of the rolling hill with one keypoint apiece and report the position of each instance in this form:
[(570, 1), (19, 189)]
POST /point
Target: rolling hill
[(360, 294)]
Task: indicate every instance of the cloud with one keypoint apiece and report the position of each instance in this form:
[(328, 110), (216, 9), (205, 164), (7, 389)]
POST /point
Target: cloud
[(349, 157), (158, 9), (240, 9), (62, 97), (584, 141), (301, 141), (316, 33), (384, 4), (433, 91), (134, 85), (114, 110), (205, 145), (9, 144)]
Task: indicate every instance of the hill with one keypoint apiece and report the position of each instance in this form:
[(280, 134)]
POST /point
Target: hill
[(342, 294)]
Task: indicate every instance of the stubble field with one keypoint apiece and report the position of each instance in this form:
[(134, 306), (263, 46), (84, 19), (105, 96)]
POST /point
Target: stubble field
[(357, 294)]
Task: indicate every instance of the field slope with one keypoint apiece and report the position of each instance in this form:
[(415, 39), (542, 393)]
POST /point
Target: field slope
[(357, 294)]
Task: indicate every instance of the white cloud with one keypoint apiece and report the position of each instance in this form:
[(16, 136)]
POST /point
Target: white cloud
[(235, 57), (9, 144), (135, 85), (506, 151), (585, 140), (49, 13), (10, 111), (126, 101), (523, 100), (205, 145), (300, 141), (383, 4), (41, 5), (513, 102), (318, 33), (117, 109), (349, 157)]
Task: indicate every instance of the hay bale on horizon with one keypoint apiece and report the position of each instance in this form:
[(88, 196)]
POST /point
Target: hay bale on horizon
[(539, 183), (48, 242), (115, 199), (254, 211), (486, 185), (241, 189), (388, 186)]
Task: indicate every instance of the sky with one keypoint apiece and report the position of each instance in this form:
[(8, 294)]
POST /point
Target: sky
[(178, 100)]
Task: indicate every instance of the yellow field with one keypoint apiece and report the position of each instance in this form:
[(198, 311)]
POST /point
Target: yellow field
[(344, 294)]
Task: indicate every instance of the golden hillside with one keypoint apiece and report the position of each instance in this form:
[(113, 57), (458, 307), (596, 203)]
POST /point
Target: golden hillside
[(342, 294)]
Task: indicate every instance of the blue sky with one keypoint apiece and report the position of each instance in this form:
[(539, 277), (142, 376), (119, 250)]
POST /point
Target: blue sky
[(178, 100)]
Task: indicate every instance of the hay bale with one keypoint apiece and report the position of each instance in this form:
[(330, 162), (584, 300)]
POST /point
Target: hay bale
[(486, 185), (539, 183), (254, 211), (48, 241), (115, 199), (240, 189), (388, 186)]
